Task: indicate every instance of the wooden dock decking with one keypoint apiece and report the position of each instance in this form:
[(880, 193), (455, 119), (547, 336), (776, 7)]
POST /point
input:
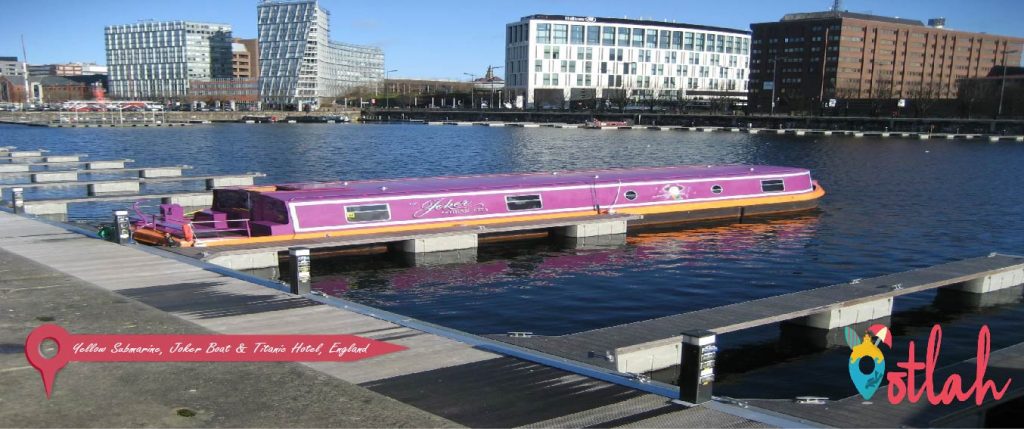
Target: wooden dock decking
[(383, 238), (594, 347), (461, 381)]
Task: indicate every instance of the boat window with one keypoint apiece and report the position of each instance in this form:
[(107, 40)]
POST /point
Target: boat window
[(773, 185), (630, 195), (228, 199), (368, 213), (523, 202), (274, 211), (717, 189)]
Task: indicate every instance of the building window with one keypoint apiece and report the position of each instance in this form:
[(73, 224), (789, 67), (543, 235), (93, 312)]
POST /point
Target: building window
[(368, 213), (593, 34), (561, 34), (623, 36), (609, 36), (576, 37), (543, 33), (523, 202), (773, 185)]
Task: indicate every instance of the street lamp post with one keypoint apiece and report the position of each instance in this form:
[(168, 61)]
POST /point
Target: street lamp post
[(491, 83), (1002, 84), (472, 87), (387, 96), (775, 68)]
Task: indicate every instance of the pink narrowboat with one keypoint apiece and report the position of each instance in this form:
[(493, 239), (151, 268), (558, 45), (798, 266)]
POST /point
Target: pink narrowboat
[(260, 214)]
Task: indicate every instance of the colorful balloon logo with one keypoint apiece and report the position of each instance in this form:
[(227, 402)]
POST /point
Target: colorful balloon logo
[(867, 383)]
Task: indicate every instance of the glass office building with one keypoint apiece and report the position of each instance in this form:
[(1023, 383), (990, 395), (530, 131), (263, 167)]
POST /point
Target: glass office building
[(157, 60), (300, 65), (554, 59)]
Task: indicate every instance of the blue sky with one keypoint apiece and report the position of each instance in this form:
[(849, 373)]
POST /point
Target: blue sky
[(441, 39)]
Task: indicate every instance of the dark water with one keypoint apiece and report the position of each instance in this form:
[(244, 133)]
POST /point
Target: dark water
[(892, 205)]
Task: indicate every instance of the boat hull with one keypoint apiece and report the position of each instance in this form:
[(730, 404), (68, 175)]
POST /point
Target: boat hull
[(650, 216)]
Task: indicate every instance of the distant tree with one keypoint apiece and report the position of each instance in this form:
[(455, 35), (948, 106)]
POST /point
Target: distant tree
[(973, 94), (923, 96), (881, 95)]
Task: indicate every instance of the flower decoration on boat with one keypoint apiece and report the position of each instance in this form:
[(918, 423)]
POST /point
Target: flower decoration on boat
[(673, 192)]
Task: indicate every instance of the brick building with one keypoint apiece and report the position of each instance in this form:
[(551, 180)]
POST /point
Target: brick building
[(45, 89), (809, 59)]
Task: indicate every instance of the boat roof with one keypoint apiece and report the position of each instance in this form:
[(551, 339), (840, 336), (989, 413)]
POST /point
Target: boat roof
[(450, 184)]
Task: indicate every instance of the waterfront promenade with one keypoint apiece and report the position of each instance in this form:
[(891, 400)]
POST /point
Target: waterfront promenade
[(55, 275)]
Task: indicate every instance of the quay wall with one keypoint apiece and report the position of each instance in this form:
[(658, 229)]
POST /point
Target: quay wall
[(881, 124)]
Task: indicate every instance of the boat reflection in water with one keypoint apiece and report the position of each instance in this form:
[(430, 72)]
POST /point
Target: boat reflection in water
[(538, 280)]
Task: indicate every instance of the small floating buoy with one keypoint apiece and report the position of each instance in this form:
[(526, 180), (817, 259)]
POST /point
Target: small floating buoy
[(383, 188)]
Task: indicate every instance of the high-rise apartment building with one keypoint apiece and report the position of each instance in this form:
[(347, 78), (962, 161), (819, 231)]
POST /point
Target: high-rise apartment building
[(300, 65), (551, 59), (808, 59), (150, 60)]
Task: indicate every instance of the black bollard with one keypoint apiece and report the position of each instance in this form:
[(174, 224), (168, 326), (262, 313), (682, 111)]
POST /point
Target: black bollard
[(122, 227), (298, 259), (18, 199), (697, 369)]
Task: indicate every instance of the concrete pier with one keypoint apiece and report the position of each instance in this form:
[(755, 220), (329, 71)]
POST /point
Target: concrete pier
[(62, 158), (219, 182), (160, 172), (246, 261), (103, 165), (48, 208), (56, 176), (440, 243), (24, 153), (14, 168), (111, 187), (190, 200), (994, 282), (611, 227), (848, 315), (641, 346)]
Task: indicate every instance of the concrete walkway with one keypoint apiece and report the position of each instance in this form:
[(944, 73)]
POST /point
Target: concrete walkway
[(153, 394), (51, 274)]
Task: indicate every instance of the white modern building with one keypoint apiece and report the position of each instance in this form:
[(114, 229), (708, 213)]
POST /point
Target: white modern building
[(552, 60), (299, 64), (150, 60)]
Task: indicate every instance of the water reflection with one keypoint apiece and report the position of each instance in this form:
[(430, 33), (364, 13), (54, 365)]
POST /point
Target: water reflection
[(542, 276)]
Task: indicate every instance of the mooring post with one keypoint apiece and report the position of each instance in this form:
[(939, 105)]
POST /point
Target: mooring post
[(123, 230), (18, 199), (697, 369), (298, 260)]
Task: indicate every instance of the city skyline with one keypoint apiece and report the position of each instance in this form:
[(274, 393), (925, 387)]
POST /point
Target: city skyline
[(470, 39)]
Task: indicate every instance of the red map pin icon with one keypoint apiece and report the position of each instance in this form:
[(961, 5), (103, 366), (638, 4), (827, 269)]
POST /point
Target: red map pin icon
[(47, 367)]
